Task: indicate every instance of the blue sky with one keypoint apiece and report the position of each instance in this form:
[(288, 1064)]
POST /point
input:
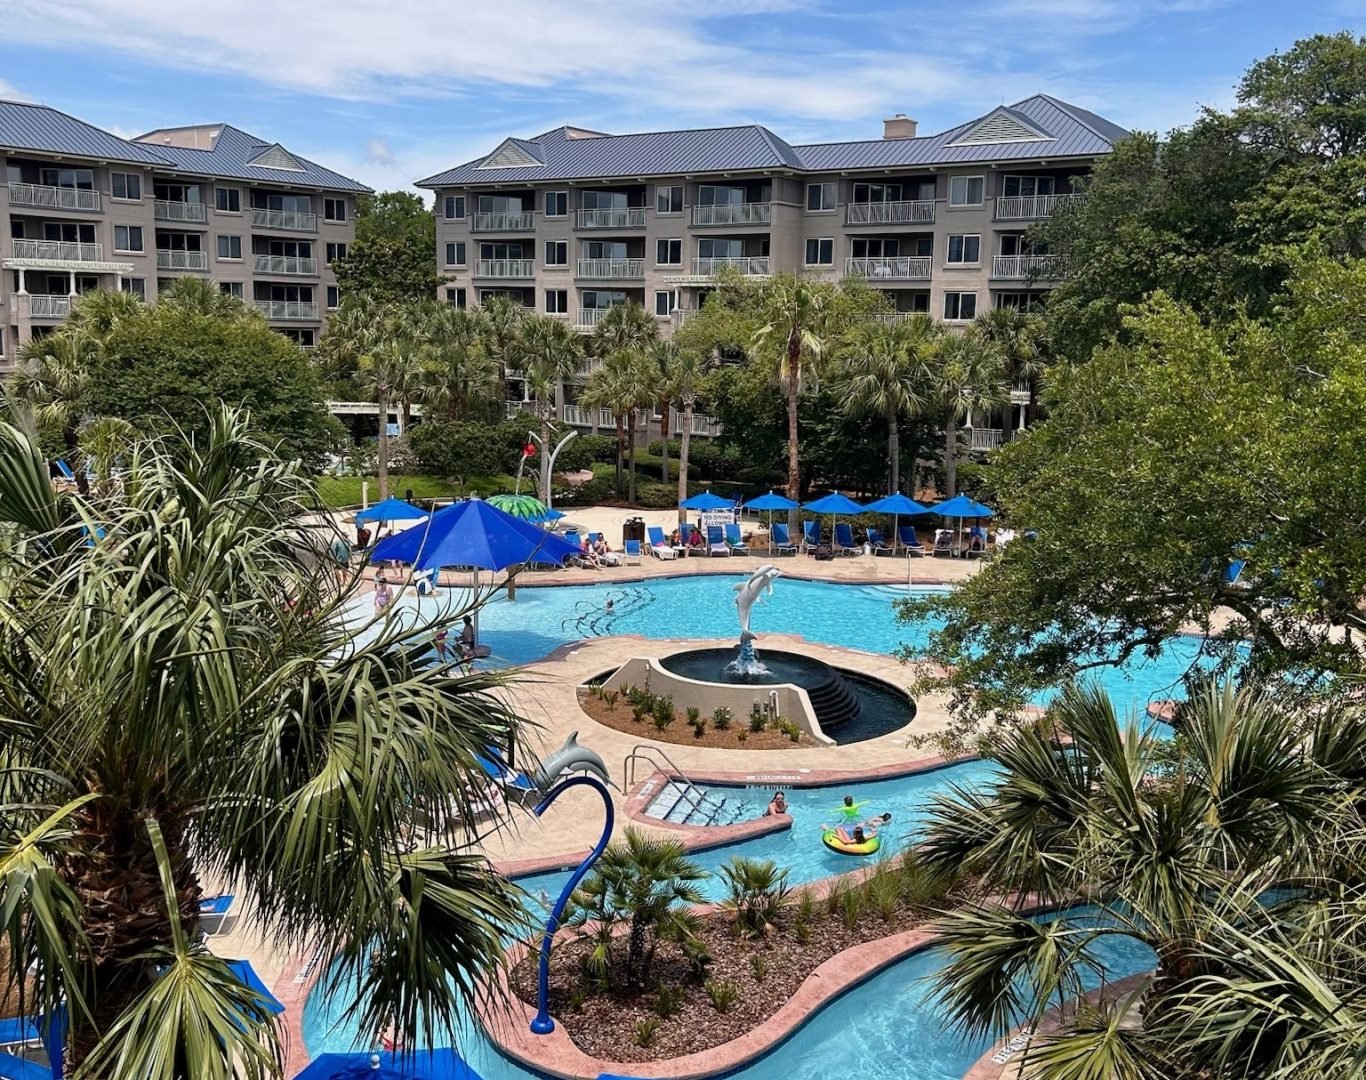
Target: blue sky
[(389, 91)]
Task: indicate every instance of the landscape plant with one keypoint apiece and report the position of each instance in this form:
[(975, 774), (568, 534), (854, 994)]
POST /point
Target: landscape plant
[(757, 895)]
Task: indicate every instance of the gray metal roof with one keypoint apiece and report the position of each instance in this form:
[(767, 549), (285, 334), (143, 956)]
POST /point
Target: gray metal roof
[(1067, 132), (231, 158), (44, 130)]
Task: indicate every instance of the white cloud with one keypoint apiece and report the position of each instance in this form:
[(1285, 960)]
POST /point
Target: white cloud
[(379, 152), (10, 92)]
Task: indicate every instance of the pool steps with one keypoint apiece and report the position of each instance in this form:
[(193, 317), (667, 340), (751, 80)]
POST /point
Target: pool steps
[(682, 802)]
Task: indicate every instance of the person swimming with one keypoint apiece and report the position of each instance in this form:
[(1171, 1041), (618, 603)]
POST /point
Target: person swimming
[(849, 810)]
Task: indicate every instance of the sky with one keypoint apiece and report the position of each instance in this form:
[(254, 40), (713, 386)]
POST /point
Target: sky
[(390, 91)]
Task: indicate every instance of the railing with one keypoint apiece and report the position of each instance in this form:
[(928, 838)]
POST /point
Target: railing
[(172, 210), (577, 415), (753, 266), (286, 264), (986, 438), (889, 213), (750, 213), (1025, 266), (1032, 207), (701, 424), (1019, 394), (43, 306), (504, 221), (505, 268), (611, 268), (46, 197), (515, 408), (295, 220), (182, 260), (891, 267), (287, 309), (648, 752), (625, 217), (900, 316), (57, 250), (587, 318), (681, 315)]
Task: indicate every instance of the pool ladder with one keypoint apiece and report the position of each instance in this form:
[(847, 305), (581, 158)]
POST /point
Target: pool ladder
[(697, 808)]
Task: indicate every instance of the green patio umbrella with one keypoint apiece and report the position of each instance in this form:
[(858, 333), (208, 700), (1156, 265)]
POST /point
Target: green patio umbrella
[(520, 506)]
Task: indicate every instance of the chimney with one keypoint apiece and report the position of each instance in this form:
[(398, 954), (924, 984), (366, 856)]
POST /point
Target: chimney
[(899, 126)]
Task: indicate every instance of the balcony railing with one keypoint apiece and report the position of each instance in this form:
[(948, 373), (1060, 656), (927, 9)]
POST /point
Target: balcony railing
[(57, 250), (986, 438), (504, 221), (626, 217), (286, 264), (900, 316), (42, 306), (752, 266), (278, 310), (505, 268), (293, 220), (577, 415), (1025, 266), (701, 424), (611, 268), (1032, 207), (750, 213), (44, 197), (172, 210), (681, 315), (587, 318), (182, 260), (515, 408), (891, 267), (890, 213)]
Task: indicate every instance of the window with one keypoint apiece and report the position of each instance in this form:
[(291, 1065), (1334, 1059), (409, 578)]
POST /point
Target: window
[(1028, 186), (875, 248), (127, 237), (454, 207), (669, 199), (455, 253), (820, 252), (135, 285), (716, 248), (335, 252), (456, 298), (557, 301), (668, 252), (965, 249), (666, 303), (334, 209), (231, 288), (126, 185), (228, 200), (877, 193), (229, 247), (333, 298), (69, 178), (557, 204), (960, 306), (965, 190), (557, 253), (2, 341), (820, 196)]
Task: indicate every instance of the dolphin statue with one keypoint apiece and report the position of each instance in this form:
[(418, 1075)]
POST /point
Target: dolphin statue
[(571, 757), (747, 593)]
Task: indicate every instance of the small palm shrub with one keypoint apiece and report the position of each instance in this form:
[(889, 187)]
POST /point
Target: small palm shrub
[(646, 1030), (723, 995), (757, 722), (668, 1000), (758, 893), (693, 714), (720, 718), (758, 966)]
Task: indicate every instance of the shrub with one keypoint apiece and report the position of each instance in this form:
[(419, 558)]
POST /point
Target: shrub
[(646, 1030), (698, 957), (757, 895), (834, 896), (663, 709), (882, 890), (758, 965), (699, 728), (801, 928), (593, 448), (598, 490), (655, 496), (791, 730), (723, 994), (693, 714), (577, 997), (851, 907), (668, 1000), (611, 697), (640, 710), (656, 448), (445, 448), (741, 735), (720, 718), (757, 723)]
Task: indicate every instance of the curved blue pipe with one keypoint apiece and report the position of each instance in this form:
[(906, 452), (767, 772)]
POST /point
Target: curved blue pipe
[(543, 1024)]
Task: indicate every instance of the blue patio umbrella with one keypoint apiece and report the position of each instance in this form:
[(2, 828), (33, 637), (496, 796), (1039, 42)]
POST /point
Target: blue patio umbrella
[(833, 504), (896, 504), (390, 510), (707, 501), (16, 1068), (960, 507), (244, 973), (771, 502), (443, 1064)]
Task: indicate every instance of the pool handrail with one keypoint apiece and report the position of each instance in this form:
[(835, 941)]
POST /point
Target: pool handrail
[(642, 752)]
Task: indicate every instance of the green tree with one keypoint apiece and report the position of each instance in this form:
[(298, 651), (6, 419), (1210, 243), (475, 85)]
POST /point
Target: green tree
[(391, 371), (624, 383), (195, 296), (970, 376), (97, 312), (53, 381), (458, 370), (400, 216), (1019, 335), (187, 700), (389, 270), (501, 334), (551, 352), (684, 370)]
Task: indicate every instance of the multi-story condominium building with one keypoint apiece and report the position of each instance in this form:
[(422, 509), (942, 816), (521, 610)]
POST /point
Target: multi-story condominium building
[(85, 209), (572, 222)]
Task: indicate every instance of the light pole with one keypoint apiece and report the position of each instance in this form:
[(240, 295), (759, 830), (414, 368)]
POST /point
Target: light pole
[(548, 465)]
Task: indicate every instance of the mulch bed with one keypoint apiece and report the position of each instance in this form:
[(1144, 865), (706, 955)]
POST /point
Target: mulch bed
[(739, 737), (604, 1025)]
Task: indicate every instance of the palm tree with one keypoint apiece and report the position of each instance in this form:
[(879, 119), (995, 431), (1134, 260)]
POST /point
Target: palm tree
[(187, 701), (550, 353), (390, 371), (970, 377), (683, 371), (887, 375), (624, 383), (458, 371), (105, 441), (1019, 334), (97, 312), (625, 327), (200, 297), (53, 381), (502, 327)]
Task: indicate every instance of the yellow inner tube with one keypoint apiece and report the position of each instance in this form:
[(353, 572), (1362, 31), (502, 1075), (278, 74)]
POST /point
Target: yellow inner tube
[(831, 840)]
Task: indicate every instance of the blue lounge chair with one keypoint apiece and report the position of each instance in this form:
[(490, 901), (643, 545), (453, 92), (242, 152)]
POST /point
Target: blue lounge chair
[(214, 911), (780, 541), (977, 542), (19, 1031), (911, 542), (571, 536), (844, 540), (716, 541), (878, 542), (733, 540), (659, 545), (632, 552), (811, 535)]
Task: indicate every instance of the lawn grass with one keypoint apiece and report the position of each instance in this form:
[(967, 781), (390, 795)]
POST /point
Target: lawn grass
[(341, 492)]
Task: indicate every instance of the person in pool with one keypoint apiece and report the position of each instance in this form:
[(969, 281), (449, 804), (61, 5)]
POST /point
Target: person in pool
[(876, 822), (776, 805), (849, 809)]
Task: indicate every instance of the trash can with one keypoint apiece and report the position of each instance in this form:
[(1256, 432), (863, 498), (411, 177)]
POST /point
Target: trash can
[(633, 529)]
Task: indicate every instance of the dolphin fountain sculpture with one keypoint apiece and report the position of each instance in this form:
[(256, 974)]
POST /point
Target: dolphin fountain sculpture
[(747, 594)]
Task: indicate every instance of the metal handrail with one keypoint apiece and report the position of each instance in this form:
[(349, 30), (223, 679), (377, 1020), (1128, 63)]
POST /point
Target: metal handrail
[(642, 752)]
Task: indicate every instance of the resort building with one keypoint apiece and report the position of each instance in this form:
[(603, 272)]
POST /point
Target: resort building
[(85, 209)]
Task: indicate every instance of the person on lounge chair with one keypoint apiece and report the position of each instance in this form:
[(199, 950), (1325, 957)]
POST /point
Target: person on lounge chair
[(588, 556)]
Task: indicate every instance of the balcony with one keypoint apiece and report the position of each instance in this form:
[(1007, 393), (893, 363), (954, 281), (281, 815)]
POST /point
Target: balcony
[(891, 268), (504, 221), (984, 438), (57, 250), (753, 266), (43, 306), (43, 197), (1033, 207), (1026, 267), (627, 217), (182, 260), (681, 315), (753, 213), (588, 318), (901, 316), (701, 425), (505, 268), (611, 269), (284, 310), (291, 220), (918, 212), (170, 210), (294, 265)]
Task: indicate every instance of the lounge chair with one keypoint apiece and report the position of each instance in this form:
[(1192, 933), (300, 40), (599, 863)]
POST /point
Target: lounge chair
[(977, 542), (779, 540), (911, 542), (811, 535), (878, 542), (659, 544), (943, 543), (716, 541), (733, 540), (844, 540), (19, 1031), (632, 549), (214, 912)]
